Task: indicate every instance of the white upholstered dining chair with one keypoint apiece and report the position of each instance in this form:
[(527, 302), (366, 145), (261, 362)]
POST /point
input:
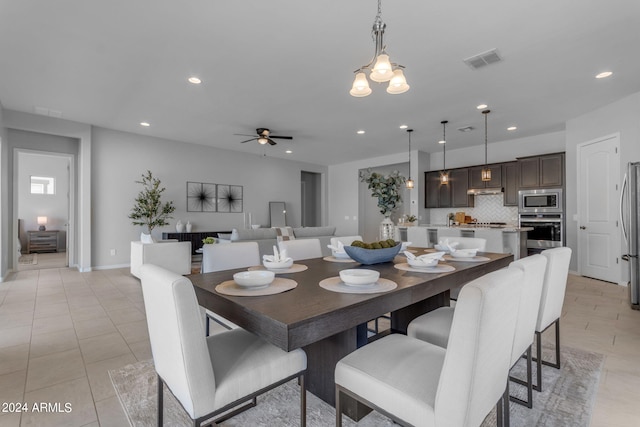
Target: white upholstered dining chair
[(435, 326), (218, 257), (418, 383), (551, 301), (209, 375), (300, 249)]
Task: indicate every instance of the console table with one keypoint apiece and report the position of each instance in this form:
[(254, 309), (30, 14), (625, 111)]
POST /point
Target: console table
[(42, 241), (195, 238)]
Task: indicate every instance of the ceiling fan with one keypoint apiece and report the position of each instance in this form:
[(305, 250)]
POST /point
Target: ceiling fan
[(264, 137)]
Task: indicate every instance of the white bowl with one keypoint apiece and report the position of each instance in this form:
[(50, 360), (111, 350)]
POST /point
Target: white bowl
[(278, 265), (464, 253), (427, 260), (339, 254), (255, 226), (254, 279), (359, 276)]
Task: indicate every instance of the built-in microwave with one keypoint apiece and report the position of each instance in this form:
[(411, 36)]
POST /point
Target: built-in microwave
[(548, 200)]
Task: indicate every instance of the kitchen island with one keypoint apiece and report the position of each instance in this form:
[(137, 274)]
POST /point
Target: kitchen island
[(500, 238)]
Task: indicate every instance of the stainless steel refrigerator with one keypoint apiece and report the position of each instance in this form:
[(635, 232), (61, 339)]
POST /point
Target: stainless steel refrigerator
[(630, 219)]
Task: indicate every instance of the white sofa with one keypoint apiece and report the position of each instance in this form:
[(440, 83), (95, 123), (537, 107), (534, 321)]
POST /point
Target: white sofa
[(169, 254), (266, 237)]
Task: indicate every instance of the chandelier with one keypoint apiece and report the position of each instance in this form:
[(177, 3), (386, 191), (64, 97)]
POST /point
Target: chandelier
[(381, 68)]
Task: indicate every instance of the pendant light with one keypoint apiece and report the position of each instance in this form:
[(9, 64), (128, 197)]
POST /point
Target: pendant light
[(409, 183), (444, 174), (486, 172)]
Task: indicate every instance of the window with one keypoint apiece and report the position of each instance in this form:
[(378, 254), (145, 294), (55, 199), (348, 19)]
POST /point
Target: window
[(42, 185)]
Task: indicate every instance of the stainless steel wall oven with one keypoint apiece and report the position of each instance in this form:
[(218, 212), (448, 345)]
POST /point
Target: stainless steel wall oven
[(548, 231)]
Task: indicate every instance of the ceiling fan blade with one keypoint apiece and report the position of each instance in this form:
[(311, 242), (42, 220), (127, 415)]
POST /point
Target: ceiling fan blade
[(243, 134), (280, 137), (252, 139), (271, 142)]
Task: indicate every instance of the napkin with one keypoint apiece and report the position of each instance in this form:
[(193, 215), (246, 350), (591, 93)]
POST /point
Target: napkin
[(277, 256), (339, 248), (409, 255)]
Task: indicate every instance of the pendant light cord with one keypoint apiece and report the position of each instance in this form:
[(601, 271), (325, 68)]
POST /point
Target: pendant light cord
[(486, 113)]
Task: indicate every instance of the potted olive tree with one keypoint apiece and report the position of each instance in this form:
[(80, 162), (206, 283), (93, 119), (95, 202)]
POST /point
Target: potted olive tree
[(387, 190), (148, 210)]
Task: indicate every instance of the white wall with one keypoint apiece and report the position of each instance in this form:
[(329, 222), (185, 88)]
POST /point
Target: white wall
[(119, 159), (54, 206), (622, 116), (6, 243), (344, 184), (497, 152)]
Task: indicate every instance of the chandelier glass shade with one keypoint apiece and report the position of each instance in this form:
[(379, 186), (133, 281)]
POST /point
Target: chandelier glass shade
[(486, 172), (444, 174), (380, 68)]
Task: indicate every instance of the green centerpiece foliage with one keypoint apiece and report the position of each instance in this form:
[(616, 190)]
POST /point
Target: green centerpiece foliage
[(149, 211), (385, 188)]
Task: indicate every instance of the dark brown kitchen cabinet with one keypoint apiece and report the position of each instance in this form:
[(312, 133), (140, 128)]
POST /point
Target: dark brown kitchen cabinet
[(510, 181), (475, 177), (459, 183), (541, 171), (453, 194)]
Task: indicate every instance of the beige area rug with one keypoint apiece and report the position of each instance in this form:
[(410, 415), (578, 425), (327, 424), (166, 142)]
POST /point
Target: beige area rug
[(28, 259), (567, 399)]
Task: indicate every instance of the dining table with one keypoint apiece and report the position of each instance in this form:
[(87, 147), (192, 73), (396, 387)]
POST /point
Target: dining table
[(329, 325)]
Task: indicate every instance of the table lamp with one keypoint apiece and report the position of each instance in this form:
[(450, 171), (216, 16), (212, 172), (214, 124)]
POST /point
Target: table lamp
[(42, 221)]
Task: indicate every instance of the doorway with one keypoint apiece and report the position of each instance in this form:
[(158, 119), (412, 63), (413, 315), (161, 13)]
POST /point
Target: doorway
[(42, 200), (598, 198), (310, 199)]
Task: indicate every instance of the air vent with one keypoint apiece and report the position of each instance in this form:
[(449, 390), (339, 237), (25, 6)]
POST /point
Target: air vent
[(466, 129), (483, 59)]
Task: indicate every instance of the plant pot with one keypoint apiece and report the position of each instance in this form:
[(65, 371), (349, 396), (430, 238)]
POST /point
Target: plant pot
[(146, 238)]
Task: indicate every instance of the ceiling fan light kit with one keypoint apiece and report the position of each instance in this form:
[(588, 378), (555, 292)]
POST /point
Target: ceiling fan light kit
[(264, 137), (383, 70)]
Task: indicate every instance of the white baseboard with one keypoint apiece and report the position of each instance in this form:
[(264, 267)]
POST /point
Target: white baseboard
[(110, 267)]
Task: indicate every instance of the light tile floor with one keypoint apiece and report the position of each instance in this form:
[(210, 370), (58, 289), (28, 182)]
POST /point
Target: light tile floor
[(62, 331)]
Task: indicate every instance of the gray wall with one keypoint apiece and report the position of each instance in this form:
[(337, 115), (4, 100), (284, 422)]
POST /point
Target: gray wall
[(119, 159)]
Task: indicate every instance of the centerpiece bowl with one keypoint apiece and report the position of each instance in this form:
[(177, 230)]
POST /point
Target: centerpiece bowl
[(372, 256)]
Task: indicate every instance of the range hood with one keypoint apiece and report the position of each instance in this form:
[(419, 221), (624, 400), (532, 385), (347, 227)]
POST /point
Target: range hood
[(483, 191)]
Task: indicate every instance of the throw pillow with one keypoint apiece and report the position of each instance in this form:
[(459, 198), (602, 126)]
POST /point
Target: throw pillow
[(284, 233)]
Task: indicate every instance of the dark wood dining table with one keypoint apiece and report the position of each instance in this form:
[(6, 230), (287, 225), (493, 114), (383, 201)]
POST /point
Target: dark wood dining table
[(329, 325)]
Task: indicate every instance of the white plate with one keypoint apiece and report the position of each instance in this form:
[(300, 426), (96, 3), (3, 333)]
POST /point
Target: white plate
[(437, 269)]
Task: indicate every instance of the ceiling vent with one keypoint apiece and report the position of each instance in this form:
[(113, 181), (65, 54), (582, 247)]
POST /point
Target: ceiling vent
[(483, 59), (466, 129), (47, 112)]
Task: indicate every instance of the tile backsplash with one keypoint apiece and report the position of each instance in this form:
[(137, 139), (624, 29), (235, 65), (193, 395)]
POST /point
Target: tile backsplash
[(488, 208)]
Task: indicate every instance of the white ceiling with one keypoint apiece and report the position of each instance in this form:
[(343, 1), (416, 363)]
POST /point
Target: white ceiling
[(288, 65)]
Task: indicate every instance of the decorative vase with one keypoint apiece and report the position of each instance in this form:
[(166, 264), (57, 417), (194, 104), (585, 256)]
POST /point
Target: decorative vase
[(179, 226), (146, 238), (387, 229), (188, 227)]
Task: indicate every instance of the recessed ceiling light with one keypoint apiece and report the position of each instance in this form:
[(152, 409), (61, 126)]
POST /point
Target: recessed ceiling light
[(403, 126), (194, 80), (604, 75), (360, 132), (145, 124), (512, 128), (288, 151), (482, 106)]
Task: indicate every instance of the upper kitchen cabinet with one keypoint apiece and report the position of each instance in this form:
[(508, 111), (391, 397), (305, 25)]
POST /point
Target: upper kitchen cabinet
[(475, 177), (453, 194), (541, 171), (510, 180), (459, 183)]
